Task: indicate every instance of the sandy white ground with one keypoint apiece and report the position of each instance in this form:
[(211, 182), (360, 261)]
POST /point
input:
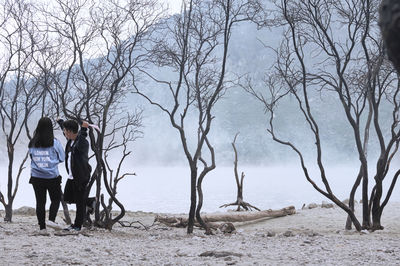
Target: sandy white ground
[(310, 237)]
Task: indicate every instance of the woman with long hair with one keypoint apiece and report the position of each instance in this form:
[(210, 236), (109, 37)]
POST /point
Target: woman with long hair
[(46, 153)]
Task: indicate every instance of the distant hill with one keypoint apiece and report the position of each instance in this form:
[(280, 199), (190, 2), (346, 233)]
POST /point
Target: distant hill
[(240, 112)]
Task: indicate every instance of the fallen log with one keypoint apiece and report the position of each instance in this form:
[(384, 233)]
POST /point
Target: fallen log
[(231, 217), (219, 254)]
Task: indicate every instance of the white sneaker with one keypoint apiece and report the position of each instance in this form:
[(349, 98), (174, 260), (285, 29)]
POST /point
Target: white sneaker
[(43, 232), (54, 225)]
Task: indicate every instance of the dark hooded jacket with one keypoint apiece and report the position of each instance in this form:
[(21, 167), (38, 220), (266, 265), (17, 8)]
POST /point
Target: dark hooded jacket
[(78, 151)]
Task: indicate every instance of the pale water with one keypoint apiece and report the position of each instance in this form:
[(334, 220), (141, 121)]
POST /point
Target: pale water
[(167, 189)]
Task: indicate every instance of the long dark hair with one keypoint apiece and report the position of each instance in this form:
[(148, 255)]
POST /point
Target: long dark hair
[(43, 136)]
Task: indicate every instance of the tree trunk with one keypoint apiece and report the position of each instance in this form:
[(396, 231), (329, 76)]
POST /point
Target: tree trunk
[(193, 178), (67, 217), (366, 222), (199, 206), (376, 208), (9, 212), (98, 192), (376, 220), (8, 207), (352, 195), (239, 198)]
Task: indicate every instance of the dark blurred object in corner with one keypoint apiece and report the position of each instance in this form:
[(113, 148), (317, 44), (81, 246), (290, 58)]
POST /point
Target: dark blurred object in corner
[(389, 21)]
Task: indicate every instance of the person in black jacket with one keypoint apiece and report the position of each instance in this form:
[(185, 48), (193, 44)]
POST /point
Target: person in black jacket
[(78, 168)]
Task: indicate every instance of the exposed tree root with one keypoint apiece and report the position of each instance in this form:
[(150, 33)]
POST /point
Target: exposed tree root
[(131, 224), (246, 206)]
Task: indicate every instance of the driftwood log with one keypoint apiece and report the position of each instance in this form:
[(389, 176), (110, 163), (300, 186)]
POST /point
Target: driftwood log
[(214, 220)]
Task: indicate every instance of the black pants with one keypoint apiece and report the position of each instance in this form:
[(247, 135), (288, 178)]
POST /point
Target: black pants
[(41, 186), (81, 203), (75, 193), (80, 209)]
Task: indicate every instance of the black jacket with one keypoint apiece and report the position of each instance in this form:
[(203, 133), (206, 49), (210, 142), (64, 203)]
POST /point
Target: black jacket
[(79, 150)]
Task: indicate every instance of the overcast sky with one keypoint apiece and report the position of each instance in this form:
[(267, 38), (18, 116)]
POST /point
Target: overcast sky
[(174, 5)]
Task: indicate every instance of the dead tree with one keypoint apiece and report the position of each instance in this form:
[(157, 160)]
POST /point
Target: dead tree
[(338, 70), (93, 83), (194, 50), (239, 184), (19, 92)]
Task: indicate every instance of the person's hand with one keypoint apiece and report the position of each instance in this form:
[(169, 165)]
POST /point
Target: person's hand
[(85, 124)]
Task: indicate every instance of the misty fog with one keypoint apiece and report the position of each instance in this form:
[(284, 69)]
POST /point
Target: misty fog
[(273, 179)]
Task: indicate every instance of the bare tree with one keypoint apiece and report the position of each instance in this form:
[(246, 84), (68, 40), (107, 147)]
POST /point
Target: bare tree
[(104, 42), (239, 184), (352, 69), (19, 90), (54, 62), (194, 48)]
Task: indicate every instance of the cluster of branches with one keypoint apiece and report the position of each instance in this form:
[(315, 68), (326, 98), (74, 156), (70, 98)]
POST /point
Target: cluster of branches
[(19, 91), (79, 59), (195, 49), (347, 62), (101, 42), (74, 59)]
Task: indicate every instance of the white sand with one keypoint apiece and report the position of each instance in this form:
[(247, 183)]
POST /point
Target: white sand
[(318, 238)]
